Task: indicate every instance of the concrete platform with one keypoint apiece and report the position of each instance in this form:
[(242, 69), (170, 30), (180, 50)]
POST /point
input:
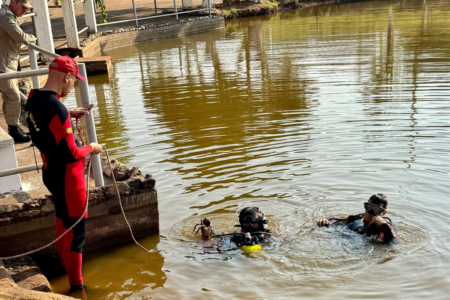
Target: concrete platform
[(96, 65), (28, 222)]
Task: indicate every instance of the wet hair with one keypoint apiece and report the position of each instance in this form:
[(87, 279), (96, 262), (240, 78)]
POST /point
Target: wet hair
[(379, 199), (249, 214)]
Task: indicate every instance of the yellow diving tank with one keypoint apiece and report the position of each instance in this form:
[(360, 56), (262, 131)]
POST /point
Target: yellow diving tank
[(251, 249)]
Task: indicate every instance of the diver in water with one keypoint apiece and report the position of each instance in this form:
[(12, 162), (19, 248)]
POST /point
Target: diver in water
[(371, 223), (253, 230)]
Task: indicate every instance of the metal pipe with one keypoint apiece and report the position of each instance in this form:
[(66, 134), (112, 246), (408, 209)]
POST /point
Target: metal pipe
[(135, 16), (42, 50), (24, 74), (83, 30), (90, 125), (15, 171), (156, 9), (34, 25), (209, 6), (175, 6), (28, 15), (34, 66)]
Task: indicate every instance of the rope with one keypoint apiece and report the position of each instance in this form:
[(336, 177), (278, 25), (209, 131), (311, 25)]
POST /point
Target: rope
[(61, 236), (120, 201), (84, 213)]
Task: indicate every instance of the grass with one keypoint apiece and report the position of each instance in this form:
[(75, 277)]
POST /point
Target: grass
[(231, 14), (271, 4)]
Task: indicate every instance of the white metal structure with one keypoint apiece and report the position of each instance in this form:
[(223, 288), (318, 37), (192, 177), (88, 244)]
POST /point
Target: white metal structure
[(5, 170)]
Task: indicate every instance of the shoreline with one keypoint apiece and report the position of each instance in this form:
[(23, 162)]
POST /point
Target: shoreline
[(267, 7)]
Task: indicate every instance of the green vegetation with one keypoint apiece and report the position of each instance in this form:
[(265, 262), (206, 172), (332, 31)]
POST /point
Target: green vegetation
[(233, 13), (272, 4), (101, 4)]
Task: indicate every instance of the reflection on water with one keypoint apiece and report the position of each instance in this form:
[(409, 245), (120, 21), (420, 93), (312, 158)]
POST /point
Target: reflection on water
[(313, 109)]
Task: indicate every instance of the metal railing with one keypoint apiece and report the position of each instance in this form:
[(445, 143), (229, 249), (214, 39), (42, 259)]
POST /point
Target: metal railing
[(83, 30), (136, 19), (84, 91)]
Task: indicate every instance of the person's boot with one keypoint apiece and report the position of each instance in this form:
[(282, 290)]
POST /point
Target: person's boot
[(17, 134), (74, 288), (26, 133)]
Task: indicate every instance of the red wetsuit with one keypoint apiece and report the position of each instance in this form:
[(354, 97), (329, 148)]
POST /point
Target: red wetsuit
[(63, 173)]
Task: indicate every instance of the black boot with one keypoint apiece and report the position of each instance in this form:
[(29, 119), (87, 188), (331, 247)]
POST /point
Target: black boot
[(74, 288), (26, 133), (17, 134)]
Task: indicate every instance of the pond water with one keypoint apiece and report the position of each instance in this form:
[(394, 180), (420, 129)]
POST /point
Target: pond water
[(305, 114)]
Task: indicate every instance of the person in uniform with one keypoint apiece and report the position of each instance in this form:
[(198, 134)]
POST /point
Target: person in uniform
[(51, 130), (11, 37)]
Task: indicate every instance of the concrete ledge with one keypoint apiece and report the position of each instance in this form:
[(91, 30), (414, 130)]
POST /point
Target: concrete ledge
[(11, 290), (26, 274), (27, 224), (8, 160), (5, 139), (110, 39)]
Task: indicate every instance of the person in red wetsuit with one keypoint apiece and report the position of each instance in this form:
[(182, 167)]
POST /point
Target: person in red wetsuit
[(371, 223), (64, 162)]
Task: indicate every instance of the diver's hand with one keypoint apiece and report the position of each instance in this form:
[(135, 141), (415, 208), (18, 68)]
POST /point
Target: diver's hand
[(377, 220), (323, 222)]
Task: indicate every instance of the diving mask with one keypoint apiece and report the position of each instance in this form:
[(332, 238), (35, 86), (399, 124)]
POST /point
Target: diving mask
[(373, 209)]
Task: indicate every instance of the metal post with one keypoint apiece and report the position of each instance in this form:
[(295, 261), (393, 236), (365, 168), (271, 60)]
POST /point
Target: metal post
[(156, 10), (135, 16), (175, 6), (90, 126), (209, 6), (34, 66)]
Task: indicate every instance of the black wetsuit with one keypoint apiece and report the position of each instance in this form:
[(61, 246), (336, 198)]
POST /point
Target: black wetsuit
[(63, 173), (355, 223)]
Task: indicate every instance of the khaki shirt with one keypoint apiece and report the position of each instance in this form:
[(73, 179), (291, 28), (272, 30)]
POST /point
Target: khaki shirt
[(11, 36)]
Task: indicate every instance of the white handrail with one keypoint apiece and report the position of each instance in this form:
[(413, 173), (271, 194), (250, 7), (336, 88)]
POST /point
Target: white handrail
[(19, 170)]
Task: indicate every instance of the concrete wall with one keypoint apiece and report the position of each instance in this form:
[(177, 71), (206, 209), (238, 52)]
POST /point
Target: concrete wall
[(106, 40), (8, 160), (30, 224)]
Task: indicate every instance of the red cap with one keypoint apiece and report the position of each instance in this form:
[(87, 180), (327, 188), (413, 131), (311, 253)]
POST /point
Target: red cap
[(66, 65)]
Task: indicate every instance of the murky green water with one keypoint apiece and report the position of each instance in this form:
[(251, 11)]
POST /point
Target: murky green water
[(305, 114)]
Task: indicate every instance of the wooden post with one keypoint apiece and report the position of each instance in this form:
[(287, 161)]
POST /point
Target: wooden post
[(70, 24), (43, 27), (89, 15)]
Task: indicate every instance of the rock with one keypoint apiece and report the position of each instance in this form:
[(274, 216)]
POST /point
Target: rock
[(121, 176), (134, 183), (97, 195), (111, 193), (33, 203), (148, 182), (48, 207), (26, 274), (29, 213), (142, 27), (10, 207), (5, 220)]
